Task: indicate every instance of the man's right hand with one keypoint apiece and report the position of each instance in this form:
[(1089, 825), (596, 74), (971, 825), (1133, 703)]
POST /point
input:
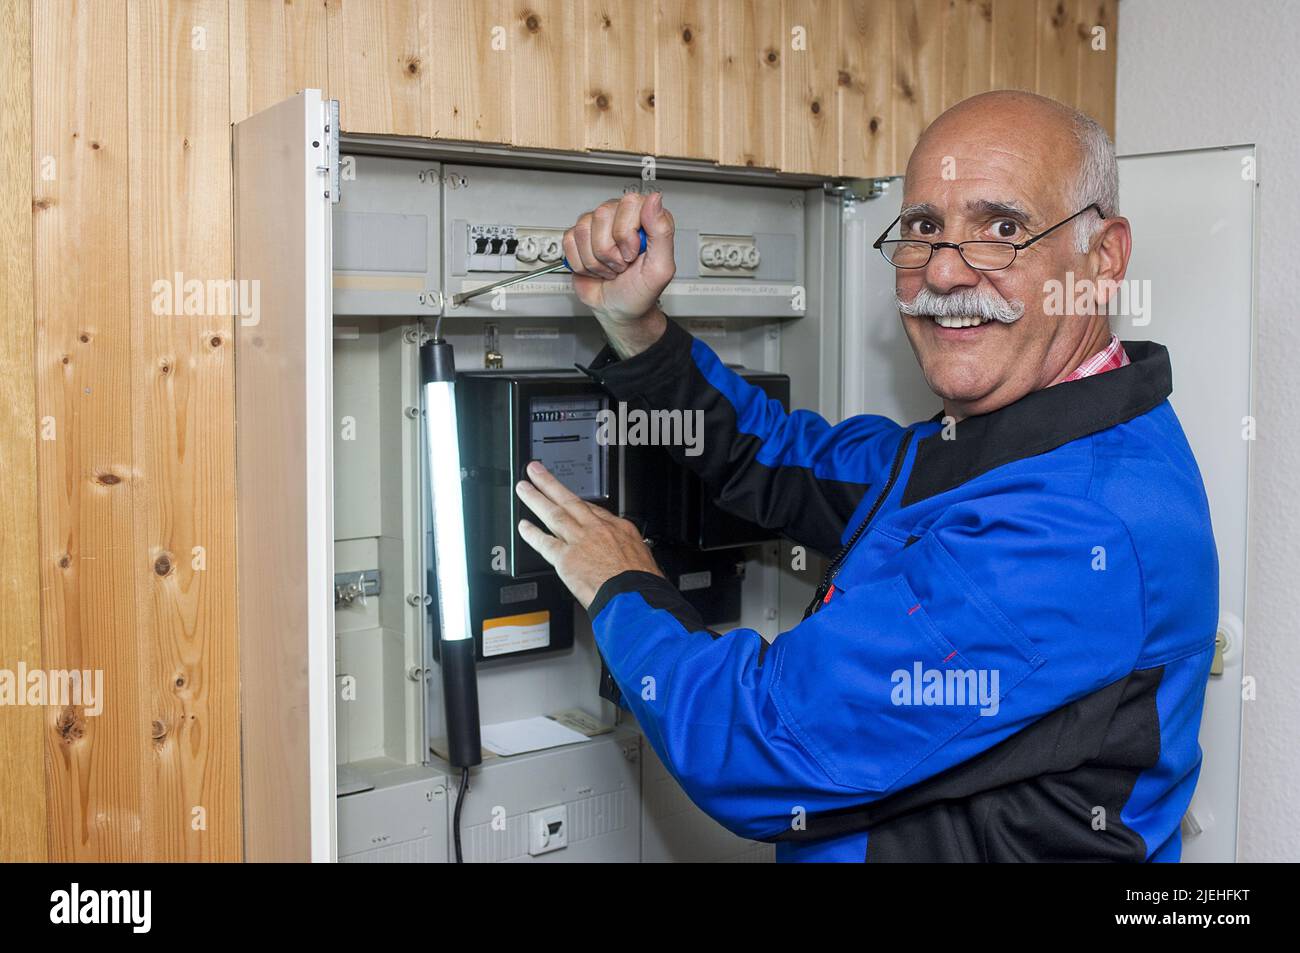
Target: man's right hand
[(610, 275)]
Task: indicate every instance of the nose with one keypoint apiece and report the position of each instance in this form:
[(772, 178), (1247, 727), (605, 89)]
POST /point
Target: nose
[(947, 270)]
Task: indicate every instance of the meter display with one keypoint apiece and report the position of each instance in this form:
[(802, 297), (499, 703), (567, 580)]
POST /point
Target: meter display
[(562, 437)]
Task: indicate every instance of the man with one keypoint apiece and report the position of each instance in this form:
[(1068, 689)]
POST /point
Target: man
[(1010, 656)]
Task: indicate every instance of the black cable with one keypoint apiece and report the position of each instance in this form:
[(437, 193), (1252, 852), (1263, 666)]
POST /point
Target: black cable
[(460, 802)]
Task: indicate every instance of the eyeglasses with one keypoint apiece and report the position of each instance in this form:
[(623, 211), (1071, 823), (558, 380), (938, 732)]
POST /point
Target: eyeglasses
[(980, 255)]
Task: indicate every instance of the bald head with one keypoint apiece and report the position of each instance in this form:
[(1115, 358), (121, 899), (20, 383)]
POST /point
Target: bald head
[(1073, 148)]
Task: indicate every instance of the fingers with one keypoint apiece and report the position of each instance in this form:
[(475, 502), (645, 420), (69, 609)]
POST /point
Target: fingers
[(578, 250), (603, 245), (556, 518), (547, 546), (604, 242), (658, 224), (548, 483), (627, 224)]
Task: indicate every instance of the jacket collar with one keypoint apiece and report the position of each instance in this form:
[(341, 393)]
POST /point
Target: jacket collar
[(1041, 421)]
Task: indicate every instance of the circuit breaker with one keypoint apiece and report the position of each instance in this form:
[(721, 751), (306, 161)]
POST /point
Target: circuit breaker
[(499, 221)]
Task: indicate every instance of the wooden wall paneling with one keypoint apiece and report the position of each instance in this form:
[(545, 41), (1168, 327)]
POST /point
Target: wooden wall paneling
[(753, 47), (545, 74), (968, 50), (1095, 92), (687, 98), (618, 90), (22, 747), (866, 101), (918, 71), (811, 129), (182, 395), (1058, 50), (96, 763), (276, 50), (380, 66), (468, 52), (1015, 44)]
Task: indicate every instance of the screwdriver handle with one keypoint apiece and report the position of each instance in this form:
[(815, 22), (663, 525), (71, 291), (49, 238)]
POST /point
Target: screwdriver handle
[(640, 251)]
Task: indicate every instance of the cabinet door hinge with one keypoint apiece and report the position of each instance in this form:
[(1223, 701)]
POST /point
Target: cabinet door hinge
[(330, 139)]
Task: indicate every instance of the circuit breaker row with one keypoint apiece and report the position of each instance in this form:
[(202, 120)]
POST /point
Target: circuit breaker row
[(407, 238)]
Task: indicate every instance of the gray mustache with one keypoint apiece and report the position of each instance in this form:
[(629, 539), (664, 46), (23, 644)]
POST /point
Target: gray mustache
[(965, 302)]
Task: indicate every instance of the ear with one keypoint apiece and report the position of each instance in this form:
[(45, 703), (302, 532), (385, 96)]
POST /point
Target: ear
[(1109, 256)]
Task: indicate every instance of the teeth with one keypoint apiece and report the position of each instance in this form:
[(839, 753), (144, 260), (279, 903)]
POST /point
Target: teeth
[(965, 321)]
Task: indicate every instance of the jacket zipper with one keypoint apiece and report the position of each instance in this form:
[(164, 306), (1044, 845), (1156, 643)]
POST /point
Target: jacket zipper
[(836, 563)]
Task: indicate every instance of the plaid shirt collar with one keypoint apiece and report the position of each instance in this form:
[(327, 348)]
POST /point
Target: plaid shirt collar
[(1107, 359)]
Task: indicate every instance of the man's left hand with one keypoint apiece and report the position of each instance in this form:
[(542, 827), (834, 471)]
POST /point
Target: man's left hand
[(590, 545)]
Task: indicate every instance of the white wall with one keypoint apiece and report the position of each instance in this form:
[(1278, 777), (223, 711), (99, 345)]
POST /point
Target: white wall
[(1203, 73)]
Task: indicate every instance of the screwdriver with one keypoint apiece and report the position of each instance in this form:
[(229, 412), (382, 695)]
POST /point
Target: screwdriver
[(562, 265)]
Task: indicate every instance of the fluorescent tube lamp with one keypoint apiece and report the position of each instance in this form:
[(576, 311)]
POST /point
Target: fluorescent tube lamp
[(442, 447)]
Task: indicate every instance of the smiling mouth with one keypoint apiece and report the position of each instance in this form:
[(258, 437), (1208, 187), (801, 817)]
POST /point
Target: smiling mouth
[(956, 321)]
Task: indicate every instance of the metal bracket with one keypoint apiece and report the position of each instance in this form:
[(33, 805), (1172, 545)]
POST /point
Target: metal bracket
[(351, 587), (330, 139), (856, 190)]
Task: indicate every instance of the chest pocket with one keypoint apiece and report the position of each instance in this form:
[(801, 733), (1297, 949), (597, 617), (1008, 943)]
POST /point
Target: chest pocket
[(901, 666)]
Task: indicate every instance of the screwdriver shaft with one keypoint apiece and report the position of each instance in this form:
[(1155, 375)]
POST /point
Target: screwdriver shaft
[(462, 297)]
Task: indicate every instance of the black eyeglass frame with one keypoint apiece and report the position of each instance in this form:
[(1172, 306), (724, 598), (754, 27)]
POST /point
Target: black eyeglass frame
[(1016, 247)]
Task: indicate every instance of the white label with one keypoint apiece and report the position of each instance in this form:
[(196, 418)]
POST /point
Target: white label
[(724, 288), (537, 334), (709, 328), (694, 580), (516, 633)]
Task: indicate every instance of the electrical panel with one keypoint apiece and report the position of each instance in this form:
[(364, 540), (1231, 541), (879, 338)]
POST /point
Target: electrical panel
[(387, 237), (499, 221), (408, 234)]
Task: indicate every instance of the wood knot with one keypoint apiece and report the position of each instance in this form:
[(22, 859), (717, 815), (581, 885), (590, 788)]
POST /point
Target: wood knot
[(164, 366), (83, 337), (1058, 16), (94, 145), (816, 107), (65, 561), (602, 101), (874, 125), (66, 359), (70, 725), (179, 682), (650, 100), (185, 143), (162, 566), (215, 340), (771, 56), (605, 21), (687, 36), (158, 732), (533, 22), (413, 65), (40, 205), (107, 479)]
